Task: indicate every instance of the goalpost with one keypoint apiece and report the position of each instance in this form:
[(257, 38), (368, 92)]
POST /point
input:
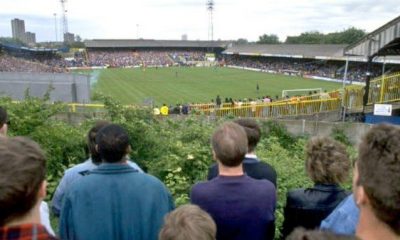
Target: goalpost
[(301, 92)]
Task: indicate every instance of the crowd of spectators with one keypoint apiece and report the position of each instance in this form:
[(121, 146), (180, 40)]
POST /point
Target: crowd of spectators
[(27, 61), (129, 58), (302, 67), (110, 197), (16, 64)]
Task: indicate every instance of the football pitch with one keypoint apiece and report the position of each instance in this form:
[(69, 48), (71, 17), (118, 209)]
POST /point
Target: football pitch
[(195, 85)]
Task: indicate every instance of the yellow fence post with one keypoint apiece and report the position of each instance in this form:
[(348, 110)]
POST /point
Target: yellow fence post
[(382, 88)]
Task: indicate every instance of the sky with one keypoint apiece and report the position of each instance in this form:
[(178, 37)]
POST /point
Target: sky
[(170, 19)]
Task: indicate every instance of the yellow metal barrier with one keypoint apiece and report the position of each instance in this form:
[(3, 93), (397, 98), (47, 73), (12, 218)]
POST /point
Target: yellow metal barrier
[(353, 97), (74, 107), (384, 89), (277, 110)]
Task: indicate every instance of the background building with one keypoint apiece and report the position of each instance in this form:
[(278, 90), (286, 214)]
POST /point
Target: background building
[(18, 29), (69, 37), (30, 37)]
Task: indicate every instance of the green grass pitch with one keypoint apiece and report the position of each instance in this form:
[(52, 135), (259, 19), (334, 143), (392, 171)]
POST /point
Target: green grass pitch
[(196, 85)]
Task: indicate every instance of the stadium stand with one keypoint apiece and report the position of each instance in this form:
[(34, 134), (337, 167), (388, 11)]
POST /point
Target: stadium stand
[(22, 59), (333, 69), (126, 58)]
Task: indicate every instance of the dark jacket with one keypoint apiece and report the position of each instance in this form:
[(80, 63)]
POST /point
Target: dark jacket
[(308, 207), (253, 168)]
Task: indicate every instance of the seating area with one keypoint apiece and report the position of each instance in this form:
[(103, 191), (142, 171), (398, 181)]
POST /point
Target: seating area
[(302, 67), (17, 64), (129, 58)]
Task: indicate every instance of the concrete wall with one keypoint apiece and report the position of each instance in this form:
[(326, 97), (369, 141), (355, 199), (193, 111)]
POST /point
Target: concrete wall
[(67, 87), (354, 131)]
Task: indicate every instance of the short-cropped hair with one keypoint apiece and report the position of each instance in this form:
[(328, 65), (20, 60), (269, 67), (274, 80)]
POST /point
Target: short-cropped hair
[(379, 172), (229, 143), (3, 116), (188, 222), (91, 140), (112, 143), (327, 161), (252, 130), (22, 172)]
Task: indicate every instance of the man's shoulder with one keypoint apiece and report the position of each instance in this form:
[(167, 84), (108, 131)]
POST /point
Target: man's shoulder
[(260, 183), (263, 165), (85, 166), (202, 185)]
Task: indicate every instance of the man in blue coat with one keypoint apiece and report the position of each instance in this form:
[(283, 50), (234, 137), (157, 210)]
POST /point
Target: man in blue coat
[(114, 201)]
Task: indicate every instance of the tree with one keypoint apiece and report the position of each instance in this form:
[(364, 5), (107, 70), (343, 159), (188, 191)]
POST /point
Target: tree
[(12, 41), (78, 38), (347, 36), (313, 37), (268, 39), (242, 41)]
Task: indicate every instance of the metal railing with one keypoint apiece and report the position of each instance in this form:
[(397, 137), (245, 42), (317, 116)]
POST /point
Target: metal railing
[(384, 89)]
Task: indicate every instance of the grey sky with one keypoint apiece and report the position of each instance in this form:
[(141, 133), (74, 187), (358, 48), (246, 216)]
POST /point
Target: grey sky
[(169, 19)]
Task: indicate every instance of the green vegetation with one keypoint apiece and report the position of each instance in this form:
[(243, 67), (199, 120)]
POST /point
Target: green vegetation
[(196, 85), (176, 151), (347, 36)]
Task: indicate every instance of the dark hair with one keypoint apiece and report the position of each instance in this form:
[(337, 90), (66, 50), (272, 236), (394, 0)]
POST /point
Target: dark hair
[(379, 172), (327, 161), (229, 143), (252, 130), (303, 234), (3, 116), (188, 222), (22, 171), (112, 143), (91, 140)]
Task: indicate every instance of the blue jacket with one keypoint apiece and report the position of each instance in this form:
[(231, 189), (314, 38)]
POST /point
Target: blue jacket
[(344, 219), (115, 201), (70, 176)]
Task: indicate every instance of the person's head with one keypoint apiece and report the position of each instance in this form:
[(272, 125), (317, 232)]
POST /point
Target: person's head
[(229, 143), (376, 181), (327, 161), (22, 179), (91, 140), (188, 222), (112, 143), (3, 121), (252, 130), (303, 234)]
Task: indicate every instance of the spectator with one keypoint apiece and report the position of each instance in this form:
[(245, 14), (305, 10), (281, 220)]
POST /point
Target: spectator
[(44, 208), (3, 122), (156, 111), (164, 110), (242, 207), (218, 101), (114, 201), (376, 183), (73, 174), (344, 219), (188, 222), (303, 234), (327, 164), (23, 188), (252, 166)]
